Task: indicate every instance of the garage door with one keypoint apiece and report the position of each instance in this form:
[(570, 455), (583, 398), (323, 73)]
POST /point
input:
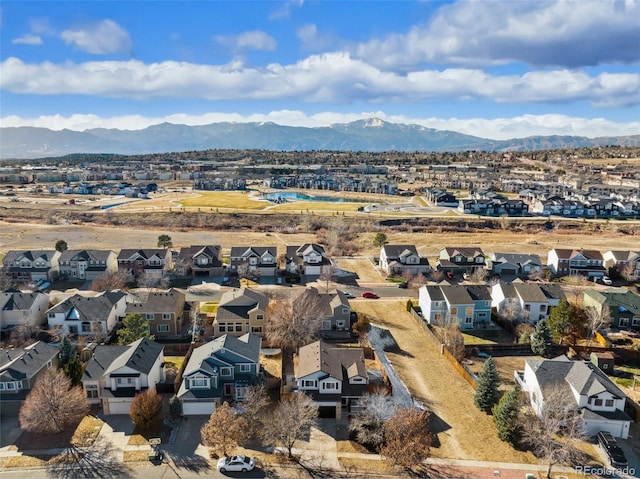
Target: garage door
[(119, 407), (327, 412), (197, 408), (616, 428)]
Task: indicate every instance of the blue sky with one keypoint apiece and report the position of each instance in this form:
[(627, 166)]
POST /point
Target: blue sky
[(496, 69)]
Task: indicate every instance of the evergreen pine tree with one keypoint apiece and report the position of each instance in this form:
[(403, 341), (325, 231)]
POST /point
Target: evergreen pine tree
[(134, 327), (487, 393), (505, 417), (541, 340), (67, 351), (74, 370), (559, 320)]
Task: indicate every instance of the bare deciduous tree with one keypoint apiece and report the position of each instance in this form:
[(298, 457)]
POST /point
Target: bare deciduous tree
[(254, 405), (5, 279), (293, 418), (479, 276), (512, 311), (628, 271), (452, 337), (327, 276), (53, 404), (291, 324), (407, 438), (225, 429), (109, 282), (555, 435), (145, 408), (597, 317), (576, 284), (368, 424), (436, 275), (417, 280)]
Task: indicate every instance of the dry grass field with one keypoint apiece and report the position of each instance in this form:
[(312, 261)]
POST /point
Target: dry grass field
[(466, 433), (362, 267)]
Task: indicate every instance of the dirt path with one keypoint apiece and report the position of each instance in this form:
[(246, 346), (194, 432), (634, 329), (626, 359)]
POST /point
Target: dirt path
[(463, 431)]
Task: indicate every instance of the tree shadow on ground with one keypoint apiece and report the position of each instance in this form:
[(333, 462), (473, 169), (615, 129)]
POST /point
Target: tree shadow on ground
[(193, 463), (95, 461)]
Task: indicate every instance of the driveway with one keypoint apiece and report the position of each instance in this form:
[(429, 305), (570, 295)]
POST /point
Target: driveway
[(9, 431)]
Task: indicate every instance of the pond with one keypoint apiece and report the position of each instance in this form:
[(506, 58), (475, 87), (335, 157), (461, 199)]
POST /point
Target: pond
[(284, 197)]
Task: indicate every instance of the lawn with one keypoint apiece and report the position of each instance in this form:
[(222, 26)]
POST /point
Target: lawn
[(505, 365), (234, 200), (210, 307), (173, 362), (362, 267), (308, 206)]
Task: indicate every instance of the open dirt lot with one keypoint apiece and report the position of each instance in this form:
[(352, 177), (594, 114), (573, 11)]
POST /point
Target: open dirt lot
[(464, 431)]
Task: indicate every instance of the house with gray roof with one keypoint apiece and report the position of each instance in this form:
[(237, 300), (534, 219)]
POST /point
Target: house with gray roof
[(19, 370), (510, 265), (309, 259), (623, 306), (164, 310), (23, 310), (588, 263), (599, 401), (626, 262), (241, 311), (468, 306), (332, 308), (525, 302), (115, 374), (459, 260), (334, 377), (144, 264), (81, 315), (199, 261), (219, 371), (32, 265), (87, 264), (400, 258), (254, 260)]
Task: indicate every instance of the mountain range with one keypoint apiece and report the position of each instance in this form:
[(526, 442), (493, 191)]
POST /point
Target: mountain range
[(363, 135)]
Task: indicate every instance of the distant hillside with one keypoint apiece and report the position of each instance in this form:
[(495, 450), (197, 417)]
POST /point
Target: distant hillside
[(363, 135)]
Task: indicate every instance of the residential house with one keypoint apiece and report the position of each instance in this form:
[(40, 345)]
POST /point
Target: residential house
[(81, 315), (627, 263), (623, 305), (458, 260), (32, 265), (218, 371), (524, 302), (144, 264), (241, 311), (332, 376), (199, 261), (332, 308), (19, 370), (23, 310), (455, 304), (510, 265), (163, 310), (401, 259), (597, 399), (87, 264), (309, 259), (254, 260), (115, 374), (588, 263)]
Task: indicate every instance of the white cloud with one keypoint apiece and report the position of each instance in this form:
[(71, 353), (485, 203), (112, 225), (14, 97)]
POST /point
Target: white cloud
[(331, 77), (498, 129), (27, 39), (550, 33), (100, 38), (41, 26), (312, 39), (283, 10), (253, 40)]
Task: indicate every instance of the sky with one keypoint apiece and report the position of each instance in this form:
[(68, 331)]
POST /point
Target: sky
[(494, 69)]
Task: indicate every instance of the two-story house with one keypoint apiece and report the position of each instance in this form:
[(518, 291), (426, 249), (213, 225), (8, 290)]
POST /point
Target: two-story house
[(524, 302), (241, 311), (332, 308), (87, 264), (115, 374), (309, 259), (623, 305), (220, 370), (627, 263), (81, 315), (199, 261), (398, 259), (163, 310), (510, 265), (19, 370), (144, 264), (588, 263), (23, 310), (32, 265), (454, 303), (460, 260), (599, 401), (258, 260), (332, 376)]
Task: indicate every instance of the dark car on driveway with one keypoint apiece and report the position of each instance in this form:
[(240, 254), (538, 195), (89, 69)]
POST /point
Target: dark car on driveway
[(403, 285), (613, 450)]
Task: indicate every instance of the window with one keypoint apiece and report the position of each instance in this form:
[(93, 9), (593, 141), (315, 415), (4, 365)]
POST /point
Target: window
[(163, 328), (635, 322), (256, 329), (125, 381), (624, 322), (468, 320), (308, 383), (329, 386), (482, 315), (92, 391), (608, 403), (239, 327), (240, 392), (598, 402), (49, 364), (1, 386), (480, 259), (469, 310), (245, 368), (222, 327), (166, 316), (454, 311), (259, 317), (86, 327), (149, 316), (225, 371), (198, 382)]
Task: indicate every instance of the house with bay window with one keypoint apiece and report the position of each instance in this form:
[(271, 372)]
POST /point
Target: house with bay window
[(220, 370), (81, 315), (115, 374)]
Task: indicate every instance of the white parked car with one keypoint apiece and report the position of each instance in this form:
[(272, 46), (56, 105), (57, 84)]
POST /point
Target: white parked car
[(606, 280), (236, 464)]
